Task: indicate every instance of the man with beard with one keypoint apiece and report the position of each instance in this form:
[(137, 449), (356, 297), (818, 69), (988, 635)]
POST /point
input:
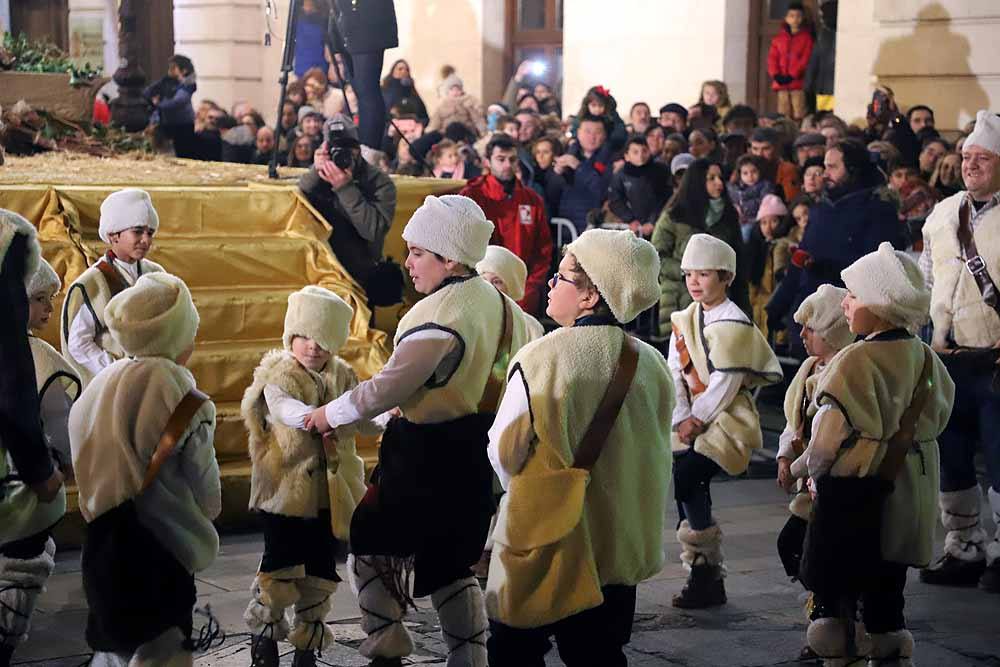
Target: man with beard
[(849, 221), (518, 214)]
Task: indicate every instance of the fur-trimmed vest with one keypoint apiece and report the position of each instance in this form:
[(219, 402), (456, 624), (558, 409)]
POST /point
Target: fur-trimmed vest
[(735, 346), (956, 303), (292, 474), (872, 383), (52, 367), (91, 291), (799, 411)]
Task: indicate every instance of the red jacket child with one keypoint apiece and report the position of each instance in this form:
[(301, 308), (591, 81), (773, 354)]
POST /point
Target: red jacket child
[(788, 58), (521, 226)]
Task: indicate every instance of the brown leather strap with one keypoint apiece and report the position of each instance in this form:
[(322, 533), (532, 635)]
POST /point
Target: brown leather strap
[(974, 262), (903, 439), (607, 412), (799, 441), (172, 433), (691, 378), (116, 283), (498, 371)]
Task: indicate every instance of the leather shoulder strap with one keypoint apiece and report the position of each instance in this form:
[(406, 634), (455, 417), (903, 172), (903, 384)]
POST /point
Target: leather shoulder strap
[(901, 441), (607, 412), (172, 433), (115, 282), (974, 262), (498, 371)]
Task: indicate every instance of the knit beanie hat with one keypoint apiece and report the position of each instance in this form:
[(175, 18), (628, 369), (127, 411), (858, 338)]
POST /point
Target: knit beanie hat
[(986, 134), (508, 267), (452, 226), (821, 311), (44, 280), (305, 110), (680, 162), (12, 224), (704, 252), (316, 312), (154, 318), (126, 209), (449, 82), (624, 268), (891, 285), (771, 205)]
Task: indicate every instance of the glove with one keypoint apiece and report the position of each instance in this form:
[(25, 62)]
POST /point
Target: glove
[(783, 79), (802, 259)]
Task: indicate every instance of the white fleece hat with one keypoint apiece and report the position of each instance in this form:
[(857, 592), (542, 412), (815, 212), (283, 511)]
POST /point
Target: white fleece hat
[(508, 267), (704, 252), (44, 280), (12, 224), (624, 268), (821, 311), (986, 134), (891, 285), (154, 318), (126, 209), (452, 226), (448, 83), (316, 312)]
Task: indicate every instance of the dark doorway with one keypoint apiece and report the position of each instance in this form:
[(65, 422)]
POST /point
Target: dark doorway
[(42, 21), (534, 32), (766, 20)]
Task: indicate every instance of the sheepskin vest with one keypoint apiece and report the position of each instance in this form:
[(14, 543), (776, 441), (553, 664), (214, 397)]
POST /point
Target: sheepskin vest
[(728, 346), (472, 311), (872, 383), (115, 426), (292, 474), (91, 291), (52, 367), (799, 408), (956, 302), (566, 375)]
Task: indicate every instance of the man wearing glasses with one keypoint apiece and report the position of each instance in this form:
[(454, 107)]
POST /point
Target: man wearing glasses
[(961, 265)]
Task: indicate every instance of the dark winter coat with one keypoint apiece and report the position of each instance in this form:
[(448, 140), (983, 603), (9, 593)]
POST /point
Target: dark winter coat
[(367, 26), (177, 108), (549, 185), (747, 200), (586, 187), (819, 72), (789, 57), (640, 193), (395, 92)]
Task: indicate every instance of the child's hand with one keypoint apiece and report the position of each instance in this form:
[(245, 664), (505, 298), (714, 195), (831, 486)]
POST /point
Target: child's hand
[(634, 226), (785, 479), (316, 421)]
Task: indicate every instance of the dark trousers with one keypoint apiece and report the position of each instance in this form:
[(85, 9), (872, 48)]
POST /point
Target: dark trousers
[(882, 601), (29, 547), (975, 419), (371, 105), (592, 638), (692, 474), (291, 541), (790, 542)]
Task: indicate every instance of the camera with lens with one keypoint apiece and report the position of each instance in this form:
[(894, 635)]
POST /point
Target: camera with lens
[(341, 140)]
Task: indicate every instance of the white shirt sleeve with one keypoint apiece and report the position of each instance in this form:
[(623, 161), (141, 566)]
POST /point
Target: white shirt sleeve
[(829, 431), (512, 430), (289, 411), (416, 359), (720, 392), (201, 470), (785, 449), (54, 409), (682, 407), (926, 262), (82, 343)]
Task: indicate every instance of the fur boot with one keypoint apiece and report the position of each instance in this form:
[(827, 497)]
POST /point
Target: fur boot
[(22, 580), (701, 554), (166, 650), (892, 649), (381, 614), (829, 639), (309, 630), (462, 612), (990, 581), (964, 556), (273, 592)]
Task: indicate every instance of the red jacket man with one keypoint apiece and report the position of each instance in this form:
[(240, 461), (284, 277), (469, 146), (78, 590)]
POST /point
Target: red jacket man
[(518, 214)]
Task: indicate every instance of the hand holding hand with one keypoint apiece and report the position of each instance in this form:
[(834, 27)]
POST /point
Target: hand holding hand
[(316, 421), (785, 479)]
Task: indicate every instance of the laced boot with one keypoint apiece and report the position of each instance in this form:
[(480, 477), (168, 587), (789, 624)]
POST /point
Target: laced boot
[(704, 588), (263, 652)]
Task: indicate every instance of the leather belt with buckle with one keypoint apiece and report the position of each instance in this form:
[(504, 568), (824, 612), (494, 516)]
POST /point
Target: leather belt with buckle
[(976, 265)]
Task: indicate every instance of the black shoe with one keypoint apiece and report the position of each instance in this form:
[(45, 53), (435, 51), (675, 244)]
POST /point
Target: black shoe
[(263, 652), (704, 588), (990, 581), (304, 658), (950, 571), (6, 653), (386, 662)]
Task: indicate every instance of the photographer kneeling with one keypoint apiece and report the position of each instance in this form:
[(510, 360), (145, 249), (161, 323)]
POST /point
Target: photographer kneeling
[(359, 202)]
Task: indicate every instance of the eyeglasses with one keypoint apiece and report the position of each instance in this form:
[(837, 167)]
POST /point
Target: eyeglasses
[(554, 280)]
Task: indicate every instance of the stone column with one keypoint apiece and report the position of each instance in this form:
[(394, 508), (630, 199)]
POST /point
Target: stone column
[(129, 108)]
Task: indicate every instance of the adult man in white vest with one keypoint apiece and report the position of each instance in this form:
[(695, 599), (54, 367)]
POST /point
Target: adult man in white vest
[(961, 264)]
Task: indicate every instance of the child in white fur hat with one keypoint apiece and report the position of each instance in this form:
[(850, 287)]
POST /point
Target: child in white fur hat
[(873, 460), (556, 385), (508, 273), (142, 441), (304, 487), (128, 223), (716, 356), (433, 498)]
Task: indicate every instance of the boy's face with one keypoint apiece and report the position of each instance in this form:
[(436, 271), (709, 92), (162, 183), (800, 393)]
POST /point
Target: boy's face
[(426, 270), (567, 302), (174, 72), (312, 125), (816, 345), (309, 353), (769, 226), (495, 280), (749, 175), (39, 310), (794, 19), (637, 155), (132, 244), (706, 287), (861, 320), (898, 177)]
